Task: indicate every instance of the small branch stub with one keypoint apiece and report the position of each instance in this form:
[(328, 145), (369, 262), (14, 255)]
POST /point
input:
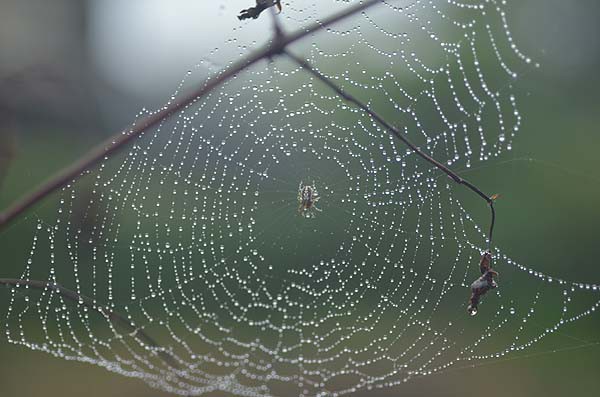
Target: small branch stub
[(261, 5)]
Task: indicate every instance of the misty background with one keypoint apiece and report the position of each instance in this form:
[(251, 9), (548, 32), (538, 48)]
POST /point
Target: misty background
[(74, 72)]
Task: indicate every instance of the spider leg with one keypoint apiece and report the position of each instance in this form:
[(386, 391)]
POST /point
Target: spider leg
[(278, 5)]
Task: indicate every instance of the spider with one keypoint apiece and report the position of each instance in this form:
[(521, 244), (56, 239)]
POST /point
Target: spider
[(261, 5), (308, 197), (483, 284)]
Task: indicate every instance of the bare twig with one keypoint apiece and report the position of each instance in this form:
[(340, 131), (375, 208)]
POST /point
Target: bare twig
[(115, 318), (397, 134), (122, 139)]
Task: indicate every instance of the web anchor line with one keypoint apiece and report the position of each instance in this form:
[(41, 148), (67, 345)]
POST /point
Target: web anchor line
[(115, 318), (397, 134)]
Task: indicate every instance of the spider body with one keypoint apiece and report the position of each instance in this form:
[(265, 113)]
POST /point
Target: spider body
[(483, 284), (307, 198), (261, 5)]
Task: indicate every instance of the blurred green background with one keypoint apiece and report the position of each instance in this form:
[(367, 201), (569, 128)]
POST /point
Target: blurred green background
[(59, 96)]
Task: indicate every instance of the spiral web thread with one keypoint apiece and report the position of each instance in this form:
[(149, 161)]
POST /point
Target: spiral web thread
[(195, 236)]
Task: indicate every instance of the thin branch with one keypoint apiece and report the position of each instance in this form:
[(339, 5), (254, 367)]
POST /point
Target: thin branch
[(397, 134), (115, 318), (122, 139)]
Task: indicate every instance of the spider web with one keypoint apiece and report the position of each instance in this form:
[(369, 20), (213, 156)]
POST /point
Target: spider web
[(195, 237)]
